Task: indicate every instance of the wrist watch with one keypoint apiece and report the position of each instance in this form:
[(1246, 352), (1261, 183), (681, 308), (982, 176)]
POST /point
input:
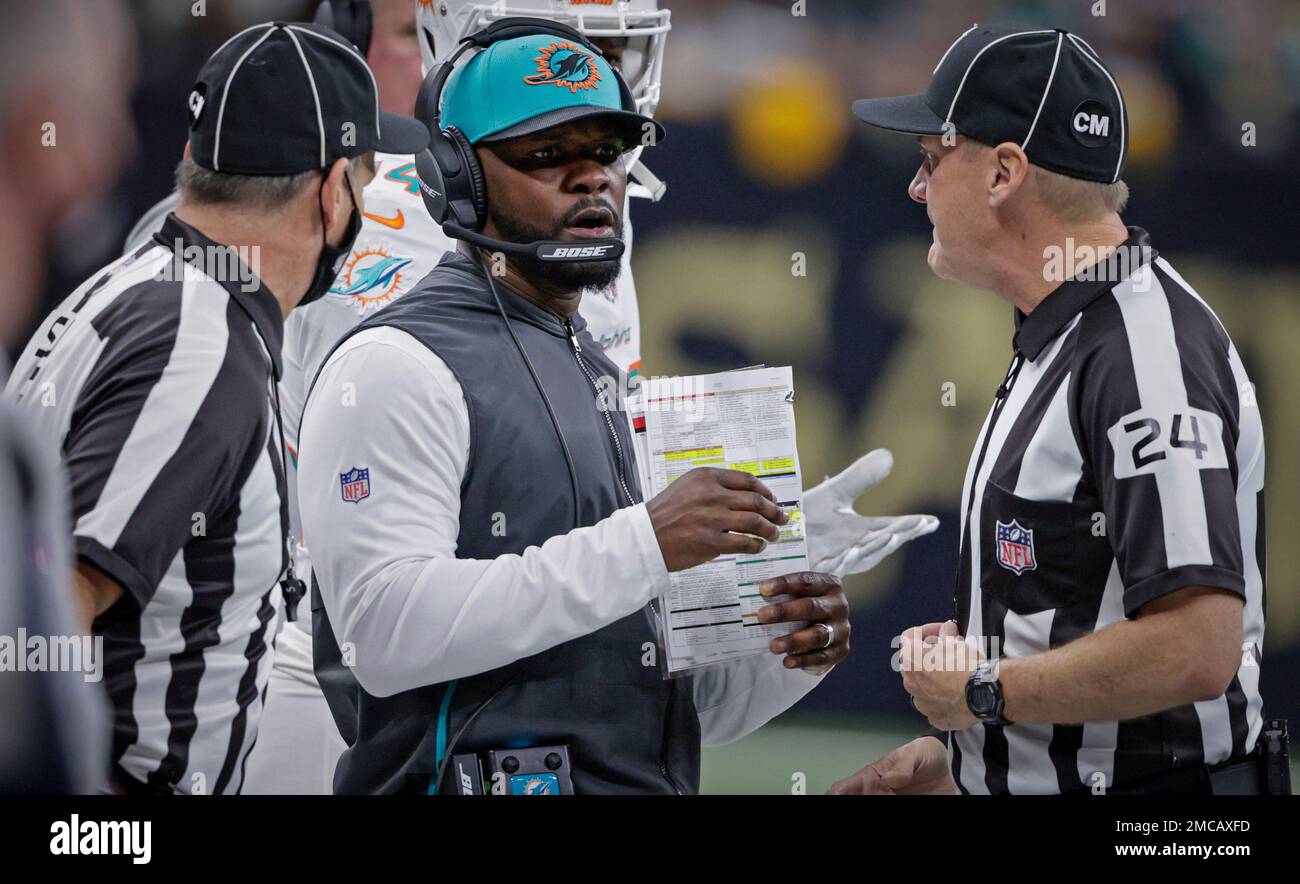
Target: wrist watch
[(984, 694)]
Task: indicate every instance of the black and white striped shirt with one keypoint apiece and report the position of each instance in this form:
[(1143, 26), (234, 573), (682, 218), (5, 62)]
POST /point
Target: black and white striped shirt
[(1122, 460), (156, 381)]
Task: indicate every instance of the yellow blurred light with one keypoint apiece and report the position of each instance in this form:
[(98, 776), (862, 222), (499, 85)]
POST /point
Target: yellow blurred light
[(1152, 116), (789, 123)]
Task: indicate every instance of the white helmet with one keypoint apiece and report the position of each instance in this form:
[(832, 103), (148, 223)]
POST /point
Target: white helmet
[(443, 24)]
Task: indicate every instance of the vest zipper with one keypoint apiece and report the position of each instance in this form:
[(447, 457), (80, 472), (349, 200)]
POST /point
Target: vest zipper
[(1000, 400), (618, 456), (663, 770)]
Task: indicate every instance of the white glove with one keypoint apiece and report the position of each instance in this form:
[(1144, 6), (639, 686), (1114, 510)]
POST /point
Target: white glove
[(840, 540)]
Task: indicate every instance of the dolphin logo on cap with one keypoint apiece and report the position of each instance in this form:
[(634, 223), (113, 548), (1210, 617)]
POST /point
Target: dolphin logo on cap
[(564, 64)]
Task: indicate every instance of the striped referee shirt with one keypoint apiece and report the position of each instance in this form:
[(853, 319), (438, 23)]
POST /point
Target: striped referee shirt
[(157, 382), (1122, 460)]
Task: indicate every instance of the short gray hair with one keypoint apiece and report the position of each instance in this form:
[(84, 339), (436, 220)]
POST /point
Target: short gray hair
[(1070, 199), (1074, 199), (206, 187)]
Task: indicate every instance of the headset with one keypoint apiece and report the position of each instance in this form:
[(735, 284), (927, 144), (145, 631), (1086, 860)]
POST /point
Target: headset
[(451, 178), (352, 19)]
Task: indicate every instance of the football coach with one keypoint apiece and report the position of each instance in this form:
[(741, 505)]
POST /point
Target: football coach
[(478, 534), (1110, 594)]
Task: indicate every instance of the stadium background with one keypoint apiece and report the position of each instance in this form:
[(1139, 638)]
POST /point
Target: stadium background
[(764, 160)]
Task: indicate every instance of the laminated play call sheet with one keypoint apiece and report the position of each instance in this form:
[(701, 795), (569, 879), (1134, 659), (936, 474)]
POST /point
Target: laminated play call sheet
[(739, 420)]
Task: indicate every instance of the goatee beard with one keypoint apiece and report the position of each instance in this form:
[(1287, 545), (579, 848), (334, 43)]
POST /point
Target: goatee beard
[(567, 275)]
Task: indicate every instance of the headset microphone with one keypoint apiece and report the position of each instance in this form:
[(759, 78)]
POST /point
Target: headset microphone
[(544, 250)]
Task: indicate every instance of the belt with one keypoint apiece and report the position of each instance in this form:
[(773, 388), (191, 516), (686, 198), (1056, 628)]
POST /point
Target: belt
[(1235, 776), (1240, 777)]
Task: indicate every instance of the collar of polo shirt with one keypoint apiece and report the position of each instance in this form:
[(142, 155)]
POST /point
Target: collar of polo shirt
[(252, 297), (1036, 331)]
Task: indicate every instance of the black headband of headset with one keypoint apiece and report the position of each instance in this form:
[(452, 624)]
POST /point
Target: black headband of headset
[(352, 19)]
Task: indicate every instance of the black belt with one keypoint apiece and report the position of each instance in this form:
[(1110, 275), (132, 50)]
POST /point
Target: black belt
[(1241, 775)]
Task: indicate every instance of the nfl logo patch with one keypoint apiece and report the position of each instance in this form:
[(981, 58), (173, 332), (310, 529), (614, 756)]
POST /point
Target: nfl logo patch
[(356, 485), (1015, 547)]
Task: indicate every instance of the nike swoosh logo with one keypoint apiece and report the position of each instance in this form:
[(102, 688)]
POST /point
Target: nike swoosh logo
[(397, 222)]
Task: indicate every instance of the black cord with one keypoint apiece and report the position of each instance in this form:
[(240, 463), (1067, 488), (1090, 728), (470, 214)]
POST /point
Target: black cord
[(460, 731), (573, 484), (559, 433)]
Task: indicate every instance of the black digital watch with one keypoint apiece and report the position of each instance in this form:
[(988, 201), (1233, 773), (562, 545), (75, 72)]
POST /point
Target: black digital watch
[(984, 694)]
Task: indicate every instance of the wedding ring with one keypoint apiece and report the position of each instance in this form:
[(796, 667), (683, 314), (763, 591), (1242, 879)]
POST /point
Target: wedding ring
[(830, 634)]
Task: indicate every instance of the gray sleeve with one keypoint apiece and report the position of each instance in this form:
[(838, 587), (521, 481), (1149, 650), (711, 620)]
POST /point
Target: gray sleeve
[(60, 743)]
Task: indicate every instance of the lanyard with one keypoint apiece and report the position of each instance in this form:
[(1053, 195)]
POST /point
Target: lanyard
[(292, 586)]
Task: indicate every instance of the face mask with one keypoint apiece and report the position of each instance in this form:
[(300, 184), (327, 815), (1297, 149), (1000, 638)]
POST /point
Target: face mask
[(331, 257)]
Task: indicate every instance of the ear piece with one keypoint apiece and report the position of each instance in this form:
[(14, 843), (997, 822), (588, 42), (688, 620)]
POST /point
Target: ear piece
[(433, 190), (471, 211)]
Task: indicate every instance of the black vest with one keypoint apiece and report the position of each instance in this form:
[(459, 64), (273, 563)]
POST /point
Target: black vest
[(627, 729)]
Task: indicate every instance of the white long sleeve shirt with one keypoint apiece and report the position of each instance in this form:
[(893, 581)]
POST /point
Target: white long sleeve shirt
[(412, 613)]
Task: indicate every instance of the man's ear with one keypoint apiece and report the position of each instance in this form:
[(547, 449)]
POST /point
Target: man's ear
[(1007, 170), (337, 201)]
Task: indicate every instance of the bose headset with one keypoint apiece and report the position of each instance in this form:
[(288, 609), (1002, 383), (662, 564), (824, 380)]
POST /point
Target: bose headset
[(352, 19), (451, 178)]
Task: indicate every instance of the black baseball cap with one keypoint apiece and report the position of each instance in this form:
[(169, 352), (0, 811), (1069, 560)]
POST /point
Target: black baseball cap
[(1042, 88), (281, 98)]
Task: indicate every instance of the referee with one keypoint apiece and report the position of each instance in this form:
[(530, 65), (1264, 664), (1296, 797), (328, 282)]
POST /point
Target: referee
[(1111, 578), (156, 379)]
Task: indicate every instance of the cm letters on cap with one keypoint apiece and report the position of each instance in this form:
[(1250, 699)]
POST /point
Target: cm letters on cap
[(1091, 123), (1147, 442), (196, 102)]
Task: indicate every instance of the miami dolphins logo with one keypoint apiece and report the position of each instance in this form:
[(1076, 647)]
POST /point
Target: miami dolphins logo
[(564, 64), (370, 279)]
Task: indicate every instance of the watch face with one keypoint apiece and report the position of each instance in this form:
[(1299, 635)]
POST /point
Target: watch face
[(982, 698)]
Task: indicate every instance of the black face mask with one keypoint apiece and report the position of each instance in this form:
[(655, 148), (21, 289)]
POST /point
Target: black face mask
[(331, 257)]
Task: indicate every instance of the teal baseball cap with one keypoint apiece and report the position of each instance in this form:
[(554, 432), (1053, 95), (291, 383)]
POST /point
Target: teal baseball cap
[(527, 84)]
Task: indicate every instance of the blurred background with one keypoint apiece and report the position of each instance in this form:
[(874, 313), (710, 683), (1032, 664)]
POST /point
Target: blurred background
[(764, 161)]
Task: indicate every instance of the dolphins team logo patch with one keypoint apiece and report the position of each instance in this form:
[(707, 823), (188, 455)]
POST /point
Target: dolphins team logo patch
[(564, 64), (371, 277), (535, 784), (1015, 547), (356, 484)]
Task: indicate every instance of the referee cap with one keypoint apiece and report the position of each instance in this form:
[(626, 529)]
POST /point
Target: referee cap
[(278, 99), (1042, 88), (527, 84)]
